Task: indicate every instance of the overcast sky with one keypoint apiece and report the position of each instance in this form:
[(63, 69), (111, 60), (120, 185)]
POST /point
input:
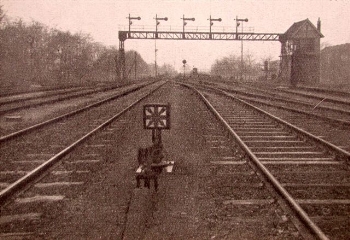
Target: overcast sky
[(103, 18)]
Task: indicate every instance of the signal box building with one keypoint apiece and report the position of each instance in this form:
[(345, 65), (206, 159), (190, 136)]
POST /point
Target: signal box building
[(300, 53)]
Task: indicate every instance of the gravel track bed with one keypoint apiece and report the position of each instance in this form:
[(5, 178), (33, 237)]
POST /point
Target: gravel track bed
[(334, 133), (311, 98), (39, 114), (330, 113), (196, 201), (337, 96), (324, 91), (271, 96), (48, 198), (54, 91), (49, 140), (304, 185), (337, 113), (19, 100), (199, 200)]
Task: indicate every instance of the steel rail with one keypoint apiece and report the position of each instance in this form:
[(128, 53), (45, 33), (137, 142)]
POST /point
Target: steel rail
[(50, 94), (343, 122), (327, 91), (56, 119), (33, 91), (305, 133), (276, 184), (281, 99), (335, 120), (59, 98), (328, 99), (266, 85), (35, 174), (312, 95), (325, 143)]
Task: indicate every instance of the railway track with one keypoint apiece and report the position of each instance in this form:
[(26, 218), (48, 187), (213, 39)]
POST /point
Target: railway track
[(35, 95), (9, 105), (335, 96), (236, 196), (214, 192), (315, 99), (311, 174), (13, 92), (94, 103), (42, 168), (337, 111), (326, 91), (317, 92)]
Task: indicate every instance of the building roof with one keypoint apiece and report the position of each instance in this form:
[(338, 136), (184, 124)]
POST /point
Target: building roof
[(298, 28)]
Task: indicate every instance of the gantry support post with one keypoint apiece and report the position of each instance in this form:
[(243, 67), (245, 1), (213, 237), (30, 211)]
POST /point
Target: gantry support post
[(121, 68), (120, 65), (122, 60)]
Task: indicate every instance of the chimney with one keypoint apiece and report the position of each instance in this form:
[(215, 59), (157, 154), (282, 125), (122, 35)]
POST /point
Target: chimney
[(319, 25)]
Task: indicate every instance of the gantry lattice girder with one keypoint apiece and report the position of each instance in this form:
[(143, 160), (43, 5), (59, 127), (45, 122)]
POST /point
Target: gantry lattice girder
[(124, 35)]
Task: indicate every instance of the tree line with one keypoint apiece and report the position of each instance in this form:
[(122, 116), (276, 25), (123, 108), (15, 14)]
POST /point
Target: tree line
[(335, 62), (334, 65), (33, 54), (232, 67)]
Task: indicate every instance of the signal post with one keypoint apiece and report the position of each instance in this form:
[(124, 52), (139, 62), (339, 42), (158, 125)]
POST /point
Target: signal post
[(156, 117)]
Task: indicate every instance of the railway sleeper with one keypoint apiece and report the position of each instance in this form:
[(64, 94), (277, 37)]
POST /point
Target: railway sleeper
[(246, 131), (314, 177), (284, 149), (286, 138), (286, 154), (277, 143), (321, 191), (260, 133), (292, 168), (251, 125)]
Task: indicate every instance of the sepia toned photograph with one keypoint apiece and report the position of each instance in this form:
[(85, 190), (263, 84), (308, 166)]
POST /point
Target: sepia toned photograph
[(175, 119)]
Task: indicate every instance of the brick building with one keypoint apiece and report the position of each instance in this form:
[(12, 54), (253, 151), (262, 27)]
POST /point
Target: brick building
[(300, 54)]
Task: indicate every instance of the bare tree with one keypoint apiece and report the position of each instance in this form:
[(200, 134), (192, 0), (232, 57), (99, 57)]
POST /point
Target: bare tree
[(30, 53), (2, 14), (324, 45)]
